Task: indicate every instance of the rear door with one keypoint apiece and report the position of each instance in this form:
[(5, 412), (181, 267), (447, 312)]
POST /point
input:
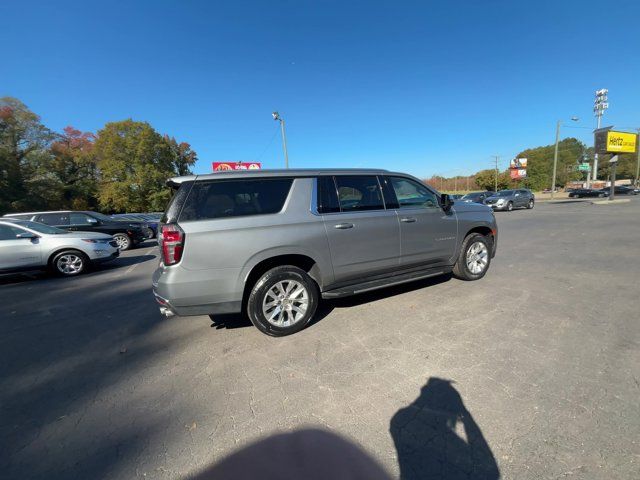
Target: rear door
[(15, 252), (428, 233), (364, 236)]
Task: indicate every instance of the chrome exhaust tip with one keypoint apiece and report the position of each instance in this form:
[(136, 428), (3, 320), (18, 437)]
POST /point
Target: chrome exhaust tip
[(166, 311)]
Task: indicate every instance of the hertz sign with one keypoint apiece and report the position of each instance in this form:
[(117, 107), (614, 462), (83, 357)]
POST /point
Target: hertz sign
[(610, 141)]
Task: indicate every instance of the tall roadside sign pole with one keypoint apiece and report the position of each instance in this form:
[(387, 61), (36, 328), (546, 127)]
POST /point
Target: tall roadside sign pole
[(637, 182), (497, 157), (278, 118), (599, 106)]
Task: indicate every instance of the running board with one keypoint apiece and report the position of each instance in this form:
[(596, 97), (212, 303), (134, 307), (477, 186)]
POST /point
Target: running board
[(381, 283)]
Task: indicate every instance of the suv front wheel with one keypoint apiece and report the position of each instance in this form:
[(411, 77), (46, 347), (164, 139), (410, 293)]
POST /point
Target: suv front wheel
[(283, 301), (474, 259)]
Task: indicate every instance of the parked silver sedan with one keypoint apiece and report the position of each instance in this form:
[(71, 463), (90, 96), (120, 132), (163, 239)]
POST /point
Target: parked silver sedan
[(26, 245)]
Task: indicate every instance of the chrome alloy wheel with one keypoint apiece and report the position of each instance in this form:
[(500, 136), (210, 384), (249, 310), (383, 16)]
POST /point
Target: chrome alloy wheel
[(122, 241), (69, 264), (477, 257), (285, 303)]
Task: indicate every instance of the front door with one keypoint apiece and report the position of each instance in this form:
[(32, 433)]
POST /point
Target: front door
[(428, 233), (364, 237), (18, 253)]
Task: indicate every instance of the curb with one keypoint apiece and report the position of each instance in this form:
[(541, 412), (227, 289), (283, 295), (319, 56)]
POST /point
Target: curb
[(609, 202)]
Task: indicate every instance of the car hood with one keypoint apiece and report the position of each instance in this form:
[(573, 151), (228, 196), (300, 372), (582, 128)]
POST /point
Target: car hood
[(462, 207)]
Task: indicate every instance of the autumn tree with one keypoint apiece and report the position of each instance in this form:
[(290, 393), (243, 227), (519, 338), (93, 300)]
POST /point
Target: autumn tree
[(73, 169), (183, 158), (24, 143)]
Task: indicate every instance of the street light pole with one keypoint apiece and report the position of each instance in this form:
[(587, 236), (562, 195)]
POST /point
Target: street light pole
[(555, 160), (276, 116), (555, 157)]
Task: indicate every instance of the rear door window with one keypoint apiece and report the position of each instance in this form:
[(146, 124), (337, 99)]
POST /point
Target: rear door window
[(235, 198), (327, 196), (358, 193), (54, 219)]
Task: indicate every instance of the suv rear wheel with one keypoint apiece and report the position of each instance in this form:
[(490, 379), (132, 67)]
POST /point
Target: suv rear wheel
[(283, 301), (474, 259)]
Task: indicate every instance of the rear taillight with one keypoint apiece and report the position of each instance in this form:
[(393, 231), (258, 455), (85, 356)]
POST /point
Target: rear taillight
[(171, 240)]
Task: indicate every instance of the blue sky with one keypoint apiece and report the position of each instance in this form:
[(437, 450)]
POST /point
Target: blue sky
[(423, 87)]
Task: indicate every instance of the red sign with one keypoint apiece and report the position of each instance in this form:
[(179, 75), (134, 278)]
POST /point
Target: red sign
[(228, 166), (518, 173)]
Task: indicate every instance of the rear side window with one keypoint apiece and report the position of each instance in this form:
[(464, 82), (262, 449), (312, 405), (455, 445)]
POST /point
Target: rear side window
[(235, 198), (358, 193), (327, 196), (55, 219), (175, 204)]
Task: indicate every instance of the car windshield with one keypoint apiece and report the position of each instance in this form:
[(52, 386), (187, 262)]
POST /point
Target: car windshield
[(472, 196), (503, 193), (101, 217), (39, 227)]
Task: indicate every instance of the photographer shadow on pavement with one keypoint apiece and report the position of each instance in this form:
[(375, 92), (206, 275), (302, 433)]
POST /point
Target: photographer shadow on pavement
[(429, 436)]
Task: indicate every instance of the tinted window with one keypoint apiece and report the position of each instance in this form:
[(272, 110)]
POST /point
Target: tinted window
[(235, 198), (80, 219), (412, 194), (9, 233), (390, 200), (327, 196), (53, 219), (357, 193)]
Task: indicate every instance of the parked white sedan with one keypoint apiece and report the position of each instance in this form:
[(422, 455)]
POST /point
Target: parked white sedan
[(26, 245)]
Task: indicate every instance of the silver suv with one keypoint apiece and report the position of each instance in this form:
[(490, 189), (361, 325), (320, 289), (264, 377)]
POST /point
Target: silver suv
[(274, 243), (510, 199)]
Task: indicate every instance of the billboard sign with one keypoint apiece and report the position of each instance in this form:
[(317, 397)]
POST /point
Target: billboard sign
[(610, 141), (518, 173), (230, 166), (518, 163)]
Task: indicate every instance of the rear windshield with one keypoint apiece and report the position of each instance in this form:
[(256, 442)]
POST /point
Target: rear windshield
[(235, 198)]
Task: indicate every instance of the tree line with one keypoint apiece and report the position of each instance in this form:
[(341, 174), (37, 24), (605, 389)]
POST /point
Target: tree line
[(571, 152), (120, 168)]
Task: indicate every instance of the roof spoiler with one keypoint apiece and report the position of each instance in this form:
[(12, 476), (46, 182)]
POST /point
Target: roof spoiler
[(175, 182)]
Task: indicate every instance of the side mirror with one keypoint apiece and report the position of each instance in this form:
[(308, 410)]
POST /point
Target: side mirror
[(445, 201), (27, 235)]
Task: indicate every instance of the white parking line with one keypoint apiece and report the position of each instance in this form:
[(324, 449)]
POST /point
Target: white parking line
[(132, 267)]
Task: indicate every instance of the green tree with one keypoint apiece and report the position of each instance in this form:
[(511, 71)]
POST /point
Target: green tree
[(540, 164), (134, 162), (486, 179), (23, 149)]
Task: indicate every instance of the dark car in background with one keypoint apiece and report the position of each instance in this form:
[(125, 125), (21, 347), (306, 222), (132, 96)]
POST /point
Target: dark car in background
[(622, 190), (587, 192), (150, 219), (476, 197), (126, 233)]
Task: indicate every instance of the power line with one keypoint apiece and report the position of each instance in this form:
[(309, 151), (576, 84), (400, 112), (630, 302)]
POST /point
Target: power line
[(275, 132)]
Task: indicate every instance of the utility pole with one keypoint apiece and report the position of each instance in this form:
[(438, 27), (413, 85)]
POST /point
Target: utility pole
[(599, 106), (276, 116), (468, 183), (497, 157)]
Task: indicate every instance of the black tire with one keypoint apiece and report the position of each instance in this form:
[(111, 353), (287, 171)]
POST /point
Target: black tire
[(69, 263), (123, 240), (461, 270), (530, 204), (510, 207), (264, 289), (148, 233), (600, 195)]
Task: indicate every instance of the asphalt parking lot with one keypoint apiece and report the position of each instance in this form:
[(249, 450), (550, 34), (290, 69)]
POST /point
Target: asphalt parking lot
[(533, 371)]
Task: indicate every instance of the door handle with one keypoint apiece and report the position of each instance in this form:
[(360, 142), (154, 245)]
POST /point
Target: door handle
[(343, 226), (408, 220)]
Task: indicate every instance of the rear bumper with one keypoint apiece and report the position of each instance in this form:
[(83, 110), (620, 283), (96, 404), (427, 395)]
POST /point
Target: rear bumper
[(196, 292)]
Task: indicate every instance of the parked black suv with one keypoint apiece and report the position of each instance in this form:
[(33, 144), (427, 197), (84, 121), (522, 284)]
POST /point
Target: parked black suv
[(126, 234)]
